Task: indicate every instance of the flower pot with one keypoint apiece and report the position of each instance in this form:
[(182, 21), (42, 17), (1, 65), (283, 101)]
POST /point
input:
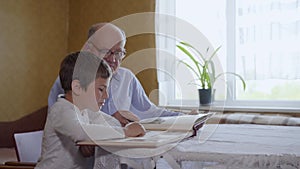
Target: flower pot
[(205, 96)]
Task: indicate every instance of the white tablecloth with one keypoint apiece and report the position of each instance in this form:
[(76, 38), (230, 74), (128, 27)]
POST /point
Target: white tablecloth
[(244, 145), (232, 146)]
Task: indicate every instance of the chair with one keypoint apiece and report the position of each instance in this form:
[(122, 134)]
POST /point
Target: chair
[(15, 167), (28, 148)]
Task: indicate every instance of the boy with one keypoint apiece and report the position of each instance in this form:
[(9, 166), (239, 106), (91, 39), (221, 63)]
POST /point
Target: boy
[(76, 117)]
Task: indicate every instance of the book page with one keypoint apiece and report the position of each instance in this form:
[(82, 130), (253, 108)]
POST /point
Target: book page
[(174, 123)]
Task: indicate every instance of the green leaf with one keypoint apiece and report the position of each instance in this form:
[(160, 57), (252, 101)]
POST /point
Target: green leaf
[(214, 53), (190, 67), (197, 51), (205, 69), (192, 58), (235, 74)]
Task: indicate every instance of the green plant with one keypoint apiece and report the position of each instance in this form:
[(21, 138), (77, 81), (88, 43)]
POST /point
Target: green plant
[(202, 67)]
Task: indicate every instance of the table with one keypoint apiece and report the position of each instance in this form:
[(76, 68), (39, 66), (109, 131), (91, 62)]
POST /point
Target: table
[(243, 146), (233, 146)]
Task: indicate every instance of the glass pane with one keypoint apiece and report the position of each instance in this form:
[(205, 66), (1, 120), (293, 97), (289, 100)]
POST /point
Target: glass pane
[(277, 90), (267, 51), (212, 24)]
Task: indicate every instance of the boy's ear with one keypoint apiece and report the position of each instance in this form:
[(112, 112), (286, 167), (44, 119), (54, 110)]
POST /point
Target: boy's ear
[(76, 87)]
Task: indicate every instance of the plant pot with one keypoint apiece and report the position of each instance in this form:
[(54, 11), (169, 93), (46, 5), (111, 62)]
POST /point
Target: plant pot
[(205, 96)]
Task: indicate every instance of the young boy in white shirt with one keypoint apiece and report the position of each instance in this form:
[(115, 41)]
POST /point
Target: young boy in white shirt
[(76, 117)]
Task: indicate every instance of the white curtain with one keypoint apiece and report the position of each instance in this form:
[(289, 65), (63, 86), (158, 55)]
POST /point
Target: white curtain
[(165, 33)]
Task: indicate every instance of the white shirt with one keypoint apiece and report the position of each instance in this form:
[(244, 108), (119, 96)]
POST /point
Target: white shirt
[(65, 126)]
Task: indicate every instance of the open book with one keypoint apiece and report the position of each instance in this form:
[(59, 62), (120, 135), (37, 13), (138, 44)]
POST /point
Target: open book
[(175, 123), (160, 131)]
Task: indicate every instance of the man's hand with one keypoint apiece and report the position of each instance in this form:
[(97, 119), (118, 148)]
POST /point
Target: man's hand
[(87, 151), (125, 117), (193, 112)]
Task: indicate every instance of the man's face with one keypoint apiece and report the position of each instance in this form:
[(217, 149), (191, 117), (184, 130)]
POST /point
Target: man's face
[(108, 43), (113, 56)]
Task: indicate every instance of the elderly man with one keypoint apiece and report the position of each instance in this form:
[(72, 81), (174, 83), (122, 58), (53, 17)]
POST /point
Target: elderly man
[(126, 93)]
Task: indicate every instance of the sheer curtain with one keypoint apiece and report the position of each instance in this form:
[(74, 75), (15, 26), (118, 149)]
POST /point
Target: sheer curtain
[(165, 33)]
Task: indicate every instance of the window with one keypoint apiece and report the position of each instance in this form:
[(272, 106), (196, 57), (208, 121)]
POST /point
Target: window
[(260, 41)]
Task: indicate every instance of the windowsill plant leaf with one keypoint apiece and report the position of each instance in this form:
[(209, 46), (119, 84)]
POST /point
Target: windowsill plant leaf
[(204, 69)]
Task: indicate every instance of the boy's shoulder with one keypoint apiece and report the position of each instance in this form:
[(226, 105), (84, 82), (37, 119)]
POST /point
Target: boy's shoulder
[(62, 105)]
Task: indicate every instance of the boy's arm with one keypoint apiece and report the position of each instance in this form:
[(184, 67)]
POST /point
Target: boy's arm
[(134, 129), (70, 124), (125, 117)]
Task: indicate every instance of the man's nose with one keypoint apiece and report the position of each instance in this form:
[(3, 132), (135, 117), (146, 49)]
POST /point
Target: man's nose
[(110, 58)]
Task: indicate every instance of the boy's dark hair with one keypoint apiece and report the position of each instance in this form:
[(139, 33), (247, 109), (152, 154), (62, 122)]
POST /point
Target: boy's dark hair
[(82, 66)]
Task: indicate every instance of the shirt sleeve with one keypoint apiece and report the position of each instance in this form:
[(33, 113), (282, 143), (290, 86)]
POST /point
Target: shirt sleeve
[(54, 92), (126, 93), (68, 123)]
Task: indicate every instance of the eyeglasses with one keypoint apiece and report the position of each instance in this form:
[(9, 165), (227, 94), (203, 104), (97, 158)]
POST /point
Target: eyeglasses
[(117, 54), (107, 52)]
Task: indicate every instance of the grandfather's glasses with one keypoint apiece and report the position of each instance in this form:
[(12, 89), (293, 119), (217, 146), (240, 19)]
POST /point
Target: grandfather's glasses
[(107, 52)]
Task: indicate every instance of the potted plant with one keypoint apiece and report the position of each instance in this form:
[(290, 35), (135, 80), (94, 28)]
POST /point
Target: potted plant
[(204, 70)]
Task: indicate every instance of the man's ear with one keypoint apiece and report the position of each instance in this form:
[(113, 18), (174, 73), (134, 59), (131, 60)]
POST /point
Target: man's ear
[(76, 87)]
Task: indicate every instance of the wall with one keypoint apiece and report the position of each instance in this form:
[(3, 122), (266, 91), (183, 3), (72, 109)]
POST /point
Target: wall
[(36, 35), (33, 39)]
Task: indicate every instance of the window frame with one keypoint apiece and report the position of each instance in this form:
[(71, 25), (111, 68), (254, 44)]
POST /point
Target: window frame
[(167, 88)]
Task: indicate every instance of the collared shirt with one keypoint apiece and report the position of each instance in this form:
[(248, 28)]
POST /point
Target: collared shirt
[(65, 126), (54, 92), (125, 93)]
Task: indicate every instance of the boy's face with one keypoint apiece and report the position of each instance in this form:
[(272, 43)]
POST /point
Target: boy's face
[(94, 96)]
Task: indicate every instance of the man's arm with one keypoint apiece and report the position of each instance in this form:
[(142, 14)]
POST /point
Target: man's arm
[(141, 104), (126, 93)]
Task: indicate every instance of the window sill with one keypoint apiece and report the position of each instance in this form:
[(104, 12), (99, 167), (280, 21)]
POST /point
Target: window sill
[(287, 110)]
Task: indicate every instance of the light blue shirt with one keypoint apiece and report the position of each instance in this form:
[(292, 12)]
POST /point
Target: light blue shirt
[(54, 92), (125, 93)]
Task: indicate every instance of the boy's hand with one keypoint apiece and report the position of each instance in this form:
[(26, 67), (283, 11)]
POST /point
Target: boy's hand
[(134, 129), (125, 117)]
